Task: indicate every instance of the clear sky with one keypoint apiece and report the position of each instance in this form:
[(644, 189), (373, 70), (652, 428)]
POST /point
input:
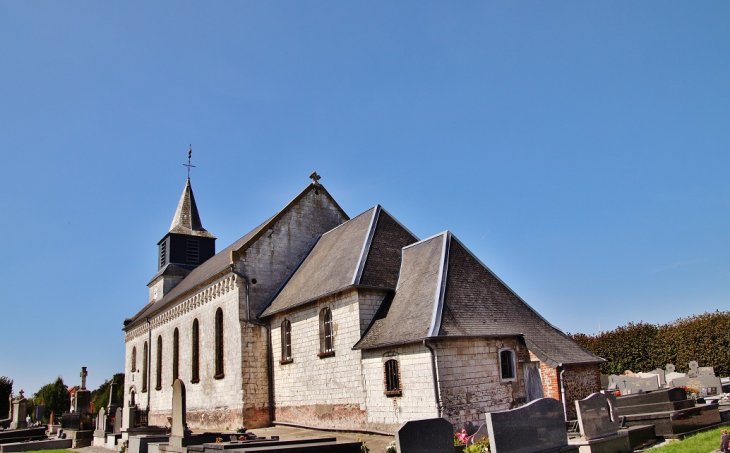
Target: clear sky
[(580, 149)]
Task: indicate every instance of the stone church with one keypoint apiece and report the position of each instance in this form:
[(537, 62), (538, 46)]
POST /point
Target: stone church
[(319, 320)]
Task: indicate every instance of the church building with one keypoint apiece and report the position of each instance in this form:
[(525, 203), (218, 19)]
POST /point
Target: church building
[(315, 319)]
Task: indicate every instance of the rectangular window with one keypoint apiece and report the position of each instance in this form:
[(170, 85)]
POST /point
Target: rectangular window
[(507, 364)]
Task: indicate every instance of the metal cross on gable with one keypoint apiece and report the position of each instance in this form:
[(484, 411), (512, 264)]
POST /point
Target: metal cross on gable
[(315, 178), (189, 165)]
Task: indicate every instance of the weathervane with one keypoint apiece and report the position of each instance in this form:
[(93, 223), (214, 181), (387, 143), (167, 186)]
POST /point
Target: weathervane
[(190, 154)]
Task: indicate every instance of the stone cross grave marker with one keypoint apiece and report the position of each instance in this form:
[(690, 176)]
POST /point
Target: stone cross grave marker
[(83, 377), (537, 426), (19, 408), (597, 415), (693, 372), (670, 368), (435, 435)]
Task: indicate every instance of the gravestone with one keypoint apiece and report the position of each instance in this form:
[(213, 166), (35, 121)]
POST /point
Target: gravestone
[(597, 415), (672, 374), (83, 396), (629, 384), (537, 426), (480, 434), (628, 373), (658, 372), (117, 428), (706, 370), (19, 408), (101, 421), (704, 383), (38, 413), (435, 435), (179, 433), (693, 369)]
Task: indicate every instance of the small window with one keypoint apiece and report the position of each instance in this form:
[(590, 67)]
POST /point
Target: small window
[(286, 342), (134, 359), (193, 251), (175, 354), (219, 344), (158, 386), (145, 364), (392, 378), (507, 364), (196, 354), (326, 332)]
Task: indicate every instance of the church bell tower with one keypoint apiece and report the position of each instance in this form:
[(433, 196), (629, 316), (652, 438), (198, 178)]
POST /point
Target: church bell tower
[(185, 246)]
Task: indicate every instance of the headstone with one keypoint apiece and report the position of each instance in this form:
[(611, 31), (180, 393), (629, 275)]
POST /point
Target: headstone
[(19, 408), (703, 383), (597, 415), (659, 372), (670, 368), (101, 420), (117, 428), (481, 433), (693, 369), (435, 435), (179, 431), (629, 385), (628, 373), (38, 413), (708, 370), (537, 426)]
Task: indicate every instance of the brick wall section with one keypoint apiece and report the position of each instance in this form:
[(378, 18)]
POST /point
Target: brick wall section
[(580, 381), (369, 301), (313, 391), (469, 379), (255, 375), (417, 400)]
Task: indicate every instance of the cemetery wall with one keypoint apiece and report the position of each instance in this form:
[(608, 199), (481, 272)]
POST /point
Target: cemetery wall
[(334, 382), (417, 401), (211, 403), (469, 378)]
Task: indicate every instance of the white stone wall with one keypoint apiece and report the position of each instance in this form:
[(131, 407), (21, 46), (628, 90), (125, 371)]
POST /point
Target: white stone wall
[(320, 391), (417, 400), (211, 401), (277, 252), (469, 378)]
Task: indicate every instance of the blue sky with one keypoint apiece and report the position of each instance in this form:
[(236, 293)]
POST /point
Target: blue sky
[(580, 149)]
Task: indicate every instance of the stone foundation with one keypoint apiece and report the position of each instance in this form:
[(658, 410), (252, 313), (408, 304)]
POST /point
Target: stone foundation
[(343, 416), (219, 420)]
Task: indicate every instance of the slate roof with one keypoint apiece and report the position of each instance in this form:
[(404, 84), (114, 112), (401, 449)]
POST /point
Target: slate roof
[(187, 219), (445, 291), (221, 262), (364, 251)]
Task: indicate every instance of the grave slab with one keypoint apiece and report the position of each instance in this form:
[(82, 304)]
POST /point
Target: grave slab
[(615, 443), (435, 435)]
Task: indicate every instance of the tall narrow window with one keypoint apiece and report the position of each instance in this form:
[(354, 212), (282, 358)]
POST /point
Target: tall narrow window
[(392, 378), (326, 333), (219, 344), (134, 359), (507, 364), (159, 363), (145, 361), (196, 353), (175, 353), (286, 342)]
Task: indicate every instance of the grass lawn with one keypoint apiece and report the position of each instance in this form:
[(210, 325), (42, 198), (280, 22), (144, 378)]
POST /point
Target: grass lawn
[(705, 442)]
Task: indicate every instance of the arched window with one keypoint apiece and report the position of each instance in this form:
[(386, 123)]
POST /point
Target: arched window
[(175, 353), (159, 363), (196, 353), (286, 342), (145, 361), (134, 359), (326, 333), (392, 378), (507, 365), (219, 344)]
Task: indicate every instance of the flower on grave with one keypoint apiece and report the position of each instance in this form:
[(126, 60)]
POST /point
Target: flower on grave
[(218, 440), (461, 438), (241, 430)]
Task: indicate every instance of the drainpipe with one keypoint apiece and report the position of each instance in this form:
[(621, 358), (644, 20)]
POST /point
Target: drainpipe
[(434, 372), (149, 355), (269, 353), (562, 392)]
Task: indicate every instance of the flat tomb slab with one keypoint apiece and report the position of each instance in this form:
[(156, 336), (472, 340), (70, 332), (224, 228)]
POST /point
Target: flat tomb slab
[(677, 422), (23, 433), (641, 436), (53, 444), (618, 443), (655, 407), (317, 447), (657, 396), (268, 442)]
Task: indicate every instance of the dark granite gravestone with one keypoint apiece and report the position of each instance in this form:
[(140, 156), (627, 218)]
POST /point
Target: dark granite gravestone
[(537, 426), (597, 415), (434, 435), (480, 433)]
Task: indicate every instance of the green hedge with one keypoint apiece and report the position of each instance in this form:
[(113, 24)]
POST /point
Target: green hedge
[(643, 347)]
